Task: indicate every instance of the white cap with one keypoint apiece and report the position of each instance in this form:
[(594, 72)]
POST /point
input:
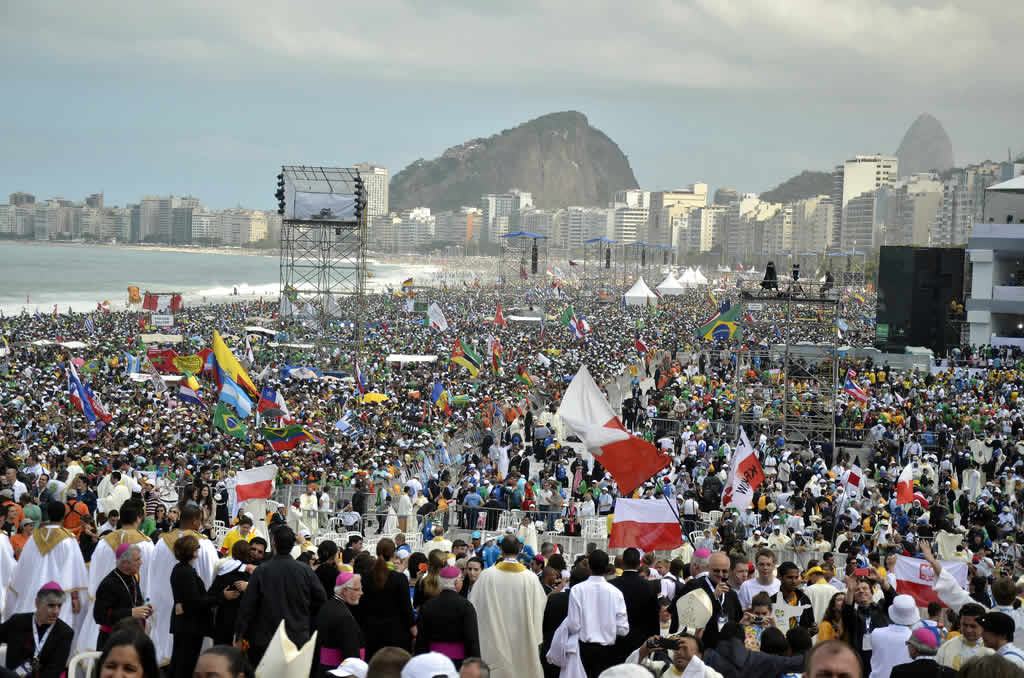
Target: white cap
[(353, 666), (429, 665)]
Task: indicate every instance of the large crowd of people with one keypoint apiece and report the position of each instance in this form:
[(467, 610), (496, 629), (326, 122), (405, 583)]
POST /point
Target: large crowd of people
[(484, 516)]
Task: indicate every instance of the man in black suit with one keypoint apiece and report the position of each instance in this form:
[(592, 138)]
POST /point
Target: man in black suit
[(447, 622), (922, 646), (724, 601), (555, 612), (54, 636), (641, 605), (863, 615)]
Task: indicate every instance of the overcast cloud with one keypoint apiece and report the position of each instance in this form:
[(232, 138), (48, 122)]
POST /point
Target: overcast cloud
[(137, 98)]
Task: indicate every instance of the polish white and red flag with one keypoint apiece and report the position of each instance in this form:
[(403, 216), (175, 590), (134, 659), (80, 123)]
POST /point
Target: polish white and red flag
[(632, 461), (905, 486), (915, 577), (853, 481), (255, 483), (745, 475), (647, 524)]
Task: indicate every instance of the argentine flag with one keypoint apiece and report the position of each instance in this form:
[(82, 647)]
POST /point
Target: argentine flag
[(233, 395)]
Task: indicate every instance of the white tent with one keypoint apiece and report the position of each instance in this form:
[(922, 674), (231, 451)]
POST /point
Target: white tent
[(640, 294), (701, 278), (689, 279), (670, 286)]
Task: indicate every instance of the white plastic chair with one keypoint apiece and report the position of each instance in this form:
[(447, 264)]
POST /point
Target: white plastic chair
[(83, 662), (695, 537)]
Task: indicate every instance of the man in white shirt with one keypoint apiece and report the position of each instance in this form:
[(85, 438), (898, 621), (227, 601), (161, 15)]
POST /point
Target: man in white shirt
[(13, 484), (765, 580), (889, 643), (597, 616)]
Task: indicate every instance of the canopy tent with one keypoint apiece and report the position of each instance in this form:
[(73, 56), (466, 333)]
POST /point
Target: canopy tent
[(255, 329), (402, 358), (523, 318), (297, 347), (140, 377), (162, 338), (689, 279), (670, 286), (640, 294), (700, 277)]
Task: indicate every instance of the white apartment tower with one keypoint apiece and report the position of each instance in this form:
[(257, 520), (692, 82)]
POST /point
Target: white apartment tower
[(863, 174), (375, 181)]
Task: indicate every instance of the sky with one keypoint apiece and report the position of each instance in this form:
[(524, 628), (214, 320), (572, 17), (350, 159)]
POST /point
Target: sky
[(209, 99)]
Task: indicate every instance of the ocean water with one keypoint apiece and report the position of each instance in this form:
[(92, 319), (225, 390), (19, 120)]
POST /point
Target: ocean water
[(35, 276)]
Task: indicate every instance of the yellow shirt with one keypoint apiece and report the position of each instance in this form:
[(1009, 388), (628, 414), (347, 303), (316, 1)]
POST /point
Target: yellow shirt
[(233, 536)]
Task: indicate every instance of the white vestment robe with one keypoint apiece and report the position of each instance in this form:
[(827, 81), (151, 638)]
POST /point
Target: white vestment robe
[(118, 495), (52, 554), (157, 586), (104, 560), (7, 565), (509, 602)]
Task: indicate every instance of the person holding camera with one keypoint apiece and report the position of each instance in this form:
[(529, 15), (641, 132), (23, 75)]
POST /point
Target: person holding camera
[(757, 619), (670, 657)]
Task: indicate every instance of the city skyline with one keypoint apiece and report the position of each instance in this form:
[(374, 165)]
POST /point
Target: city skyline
[(207, 101)]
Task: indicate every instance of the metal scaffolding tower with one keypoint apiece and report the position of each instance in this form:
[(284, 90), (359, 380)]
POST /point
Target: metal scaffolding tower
[(636, 259), (848, 268), (323, 247), (787, 375), (524, 257), (599, 262)]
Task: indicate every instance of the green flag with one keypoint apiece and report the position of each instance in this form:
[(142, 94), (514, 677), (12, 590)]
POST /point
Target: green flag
[(226, 420), (567, 316)]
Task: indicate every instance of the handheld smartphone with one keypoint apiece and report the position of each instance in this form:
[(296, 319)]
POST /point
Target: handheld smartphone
[(861, 572)]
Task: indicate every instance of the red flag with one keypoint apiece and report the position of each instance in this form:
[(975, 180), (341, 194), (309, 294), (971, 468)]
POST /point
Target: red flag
[(647, 524), (631, 460), (745, 475), (255, 483), (150, 301), (499, 317), (639, 344), (175, 303), (522, 272), (905, 486)]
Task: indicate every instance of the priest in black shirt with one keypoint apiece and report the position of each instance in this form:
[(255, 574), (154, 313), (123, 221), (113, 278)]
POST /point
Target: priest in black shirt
[(118, 596), (42, 629)]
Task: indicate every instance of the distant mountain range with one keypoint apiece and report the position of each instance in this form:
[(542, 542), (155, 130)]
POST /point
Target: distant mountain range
[(807, 184), (559, 158)]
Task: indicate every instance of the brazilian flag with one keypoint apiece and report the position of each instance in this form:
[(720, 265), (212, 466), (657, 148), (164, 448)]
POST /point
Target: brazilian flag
[(226, 420)]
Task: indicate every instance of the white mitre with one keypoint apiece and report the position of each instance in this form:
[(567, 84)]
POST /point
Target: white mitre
[(283, 659)]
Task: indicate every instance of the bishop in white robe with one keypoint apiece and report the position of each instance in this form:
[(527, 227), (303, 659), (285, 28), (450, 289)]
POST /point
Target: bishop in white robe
[(509, 602), (104, 559)]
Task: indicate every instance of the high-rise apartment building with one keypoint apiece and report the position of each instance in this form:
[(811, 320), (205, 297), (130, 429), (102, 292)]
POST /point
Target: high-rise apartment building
[(459, 226), (812, 224), (634, 198), (375, 181), (863, 174), (20, 199), (726, 196), (666, 205), (499, 212), (628, 223)]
